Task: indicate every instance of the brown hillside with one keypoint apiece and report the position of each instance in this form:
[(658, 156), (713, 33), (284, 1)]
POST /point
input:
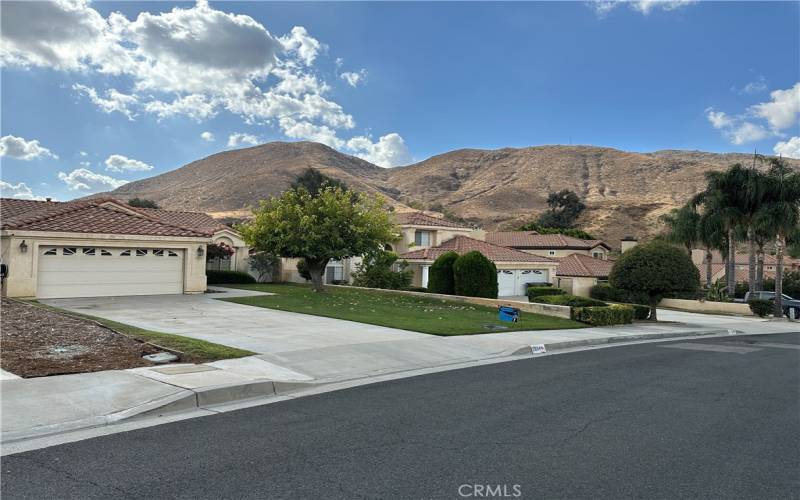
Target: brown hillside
[(625, 192)]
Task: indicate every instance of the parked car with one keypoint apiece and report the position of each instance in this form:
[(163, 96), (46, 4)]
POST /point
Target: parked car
[(791, 307)]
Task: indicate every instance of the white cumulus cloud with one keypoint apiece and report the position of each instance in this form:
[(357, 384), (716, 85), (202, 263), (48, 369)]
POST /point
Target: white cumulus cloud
[(20, 190), (239, 138), (789, 148), (782, 110), (352, 78), (389, 151), (113, 101), (83, 179), (207, 136), (645, 7), (119, 163), (22, 149)]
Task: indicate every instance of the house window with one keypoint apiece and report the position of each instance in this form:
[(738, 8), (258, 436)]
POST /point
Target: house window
[(551, 252), (334, 272), (597, 255), (422, 238), (69, 251)]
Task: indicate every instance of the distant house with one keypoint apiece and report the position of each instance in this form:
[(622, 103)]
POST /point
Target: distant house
[(104, 247), (515, 269), (578, 273), (549, 245), (742, 265)]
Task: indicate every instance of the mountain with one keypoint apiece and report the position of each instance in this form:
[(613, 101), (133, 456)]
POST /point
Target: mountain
[(625, 192)]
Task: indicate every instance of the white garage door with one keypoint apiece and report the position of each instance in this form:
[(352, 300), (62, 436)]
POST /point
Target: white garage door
[(103, 271), (513, 282)]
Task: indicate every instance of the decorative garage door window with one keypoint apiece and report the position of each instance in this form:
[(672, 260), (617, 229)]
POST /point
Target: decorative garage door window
[(108, 252)]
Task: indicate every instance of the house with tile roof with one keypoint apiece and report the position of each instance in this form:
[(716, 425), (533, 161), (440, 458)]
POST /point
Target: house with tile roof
[(515, 269), (103, 247), (578, 273), (549, 245), (742, 265)]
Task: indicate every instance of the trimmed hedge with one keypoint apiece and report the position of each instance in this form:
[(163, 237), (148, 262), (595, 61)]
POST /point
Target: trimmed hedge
[(230, 277), (440, 274), (605, 292), (615, 314), (475, 276), (541, 291), (567, 300), (761, 307)]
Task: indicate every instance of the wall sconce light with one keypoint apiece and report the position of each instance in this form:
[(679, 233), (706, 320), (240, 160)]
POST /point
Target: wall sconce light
[(23, 247), (200, 251)]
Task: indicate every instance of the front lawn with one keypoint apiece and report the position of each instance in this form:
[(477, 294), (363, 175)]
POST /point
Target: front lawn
[(419, 314)]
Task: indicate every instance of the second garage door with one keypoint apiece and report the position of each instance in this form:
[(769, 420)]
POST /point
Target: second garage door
[(514, 282), (104, 271)]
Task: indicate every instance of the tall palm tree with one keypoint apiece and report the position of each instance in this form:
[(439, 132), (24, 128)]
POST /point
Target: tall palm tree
[(782, 214), (751, 200), (682, 226), (712, 236)]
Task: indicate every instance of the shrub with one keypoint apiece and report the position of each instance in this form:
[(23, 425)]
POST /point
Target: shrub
[(475, 276), (655, 269), (615, 314), (541, 291), (640, 312), (302, 269), (376, 272), (440, 275), (607, 293), (567, 300), (418, 289), (264, 264), (761, 307), (228, 277)]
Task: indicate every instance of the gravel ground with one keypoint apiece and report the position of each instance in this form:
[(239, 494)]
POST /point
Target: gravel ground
[(37, 342)]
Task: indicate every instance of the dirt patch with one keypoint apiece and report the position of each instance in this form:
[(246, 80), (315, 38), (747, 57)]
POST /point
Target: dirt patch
[(37, 342)]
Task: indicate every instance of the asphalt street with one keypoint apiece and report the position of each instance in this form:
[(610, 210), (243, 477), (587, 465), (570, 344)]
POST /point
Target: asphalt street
[(709, 418)]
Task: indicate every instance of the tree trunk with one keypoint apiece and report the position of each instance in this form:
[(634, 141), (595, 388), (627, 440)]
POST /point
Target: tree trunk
[(653, 316), (751, 260), (315, 269), (709, 268), (760, 269), (780, 242), (731, 274)]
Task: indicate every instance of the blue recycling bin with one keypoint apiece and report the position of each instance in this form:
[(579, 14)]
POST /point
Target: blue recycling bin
[(505, 313)]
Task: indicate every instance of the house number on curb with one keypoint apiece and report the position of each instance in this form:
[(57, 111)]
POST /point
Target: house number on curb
[(538, 348)]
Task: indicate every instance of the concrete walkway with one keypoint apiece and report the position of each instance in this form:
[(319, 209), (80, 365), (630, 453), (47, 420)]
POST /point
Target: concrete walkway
[(293, 350)]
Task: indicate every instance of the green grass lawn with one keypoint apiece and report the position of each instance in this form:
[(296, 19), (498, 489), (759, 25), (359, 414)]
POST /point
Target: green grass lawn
[(419, 314), (195, 350)]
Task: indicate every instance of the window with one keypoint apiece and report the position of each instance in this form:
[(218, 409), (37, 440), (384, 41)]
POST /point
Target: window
[(597, 255), (334, 273), (158, 252), (105, 253), (551, 252), (52, 251), (422, 238), (140, 252), (89, 251), (125, 253), (69, 251), (170, 253)]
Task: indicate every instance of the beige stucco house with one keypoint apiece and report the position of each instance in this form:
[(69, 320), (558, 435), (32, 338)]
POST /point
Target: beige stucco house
[(578, 273), (103, 247), (549, 245)]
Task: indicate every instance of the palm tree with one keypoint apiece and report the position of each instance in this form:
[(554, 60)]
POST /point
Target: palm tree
[(781, 214), (682, 226), (712, 236)]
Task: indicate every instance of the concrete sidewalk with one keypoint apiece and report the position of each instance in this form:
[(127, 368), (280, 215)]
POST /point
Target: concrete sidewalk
[(296, 351)]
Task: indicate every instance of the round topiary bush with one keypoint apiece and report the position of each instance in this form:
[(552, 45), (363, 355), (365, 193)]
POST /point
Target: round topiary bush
[(475, 276), (440, 275), (655, 269)]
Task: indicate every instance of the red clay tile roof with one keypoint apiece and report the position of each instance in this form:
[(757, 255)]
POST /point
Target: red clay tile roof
[(421, 219), (195, 220), (740, 258), (532, 239), (579, 265), (87, 216), (464, 244)]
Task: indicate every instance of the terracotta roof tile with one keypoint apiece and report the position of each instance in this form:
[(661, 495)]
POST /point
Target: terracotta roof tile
[(422, 219), (532, 239), (87, 216), (464, 244), (194, 220), (580, 265)]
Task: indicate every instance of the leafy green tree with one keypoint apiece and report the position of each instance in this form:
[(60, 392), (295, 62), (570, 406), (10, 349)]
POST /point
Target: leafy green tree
[(334, 225), (655, 269), (475, 276), (142, 203), (440, 274), (564, 208), (313, 181), (376, 272)]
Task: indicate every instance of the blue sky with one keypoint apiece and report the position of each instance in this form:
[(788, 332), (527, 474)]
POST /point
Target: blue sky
[(126, 90)]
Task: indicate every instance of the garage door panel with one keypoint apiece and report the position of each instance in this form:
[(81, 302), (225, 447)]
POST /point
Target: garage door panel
[(75, 273)]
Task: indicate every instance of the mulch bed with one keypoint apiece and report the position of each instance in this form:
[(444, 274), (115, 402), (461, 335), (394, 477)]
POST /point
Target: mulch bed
[(36, 342)]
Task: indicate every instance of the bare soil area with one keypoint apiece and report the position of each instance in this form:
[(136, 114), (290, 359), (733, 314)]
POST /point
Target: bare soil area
[(36, 342)]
